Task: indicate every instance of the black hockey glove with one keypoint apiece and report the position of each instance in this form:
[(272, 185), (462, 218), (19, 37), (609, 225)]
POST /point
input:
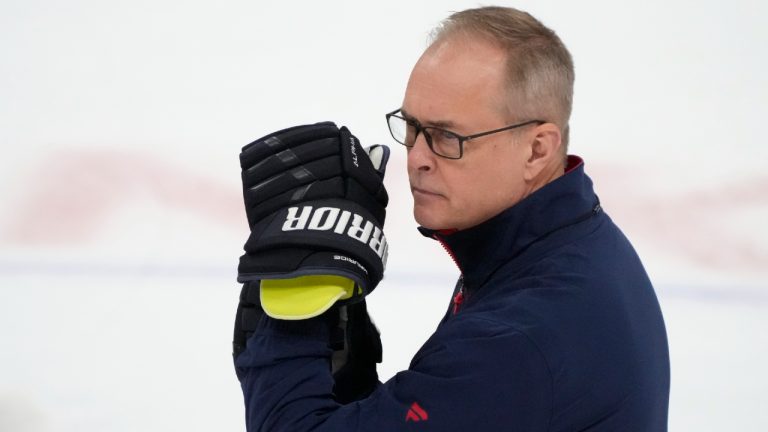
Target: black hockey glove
[(354, 340), (315, 203), (247, 317), (354, 365)]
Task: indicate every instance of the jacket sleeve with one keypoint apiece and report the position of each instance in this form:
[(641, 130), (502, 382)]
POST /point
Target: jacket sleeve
[(472, 374)]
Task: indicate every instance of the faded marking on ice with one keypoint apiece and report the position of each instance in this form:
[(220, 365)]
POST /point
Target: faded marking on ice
[(74, 192)]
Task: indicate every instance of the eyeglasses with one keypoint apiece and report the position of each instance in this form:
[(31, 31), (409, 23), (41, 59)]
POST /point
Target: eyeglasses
[(441, 141)]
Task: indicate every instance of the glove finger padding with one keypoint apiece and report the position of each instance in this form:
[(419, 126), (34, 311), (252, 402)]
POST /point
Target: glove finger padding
[(276, 142), (296, 181), (331, 188), (289, 162), (289, 158)]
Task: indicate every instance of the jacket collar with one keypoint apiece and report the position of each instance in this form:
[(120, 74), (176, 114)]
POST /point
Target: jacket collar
[(480, 250)]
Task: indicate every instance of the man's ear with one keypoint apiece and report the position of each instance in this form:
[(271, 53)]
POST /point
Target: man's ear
[(545, 150)]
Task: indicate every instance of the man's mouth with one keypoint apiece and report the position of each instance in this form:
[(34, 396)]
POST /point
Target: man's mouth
[(423, 192)]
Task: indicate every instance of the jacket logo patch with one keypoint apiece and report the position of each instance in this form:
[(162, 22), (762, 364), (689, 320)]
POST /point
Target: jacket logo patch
[(416, 413)]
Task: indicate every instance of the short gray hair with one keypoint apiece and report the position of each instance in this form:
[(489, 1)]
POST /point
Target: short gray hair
[(539, 67)]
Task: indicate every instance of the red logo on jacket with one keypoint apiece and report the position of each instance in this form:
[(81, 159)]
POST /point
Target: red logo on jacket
[(416, 413)]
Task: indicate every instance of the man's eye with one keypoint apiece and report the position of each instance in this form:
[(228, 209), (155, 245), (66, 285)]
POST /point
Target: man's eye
[(444, 135)]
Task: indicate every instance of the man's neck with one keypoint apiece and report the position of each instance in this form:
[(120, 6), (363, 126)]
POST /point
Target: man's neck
[(546, 176)]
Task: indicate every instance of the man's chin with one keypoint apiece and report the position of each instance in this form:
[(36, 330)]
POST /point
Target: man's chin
[(428, 222)]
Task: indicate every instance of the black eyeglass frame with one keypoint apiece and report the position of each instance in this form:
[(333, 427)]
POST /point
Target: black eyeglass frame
[(461, 138)]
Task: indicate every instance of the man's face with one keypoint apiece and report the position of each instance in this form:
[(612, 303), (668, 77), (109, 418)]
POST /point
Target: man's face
[(459, 85)]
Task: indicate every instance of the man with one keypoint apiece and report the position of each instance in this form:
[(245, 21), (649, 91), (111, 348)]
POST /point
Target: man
[(554, 325)]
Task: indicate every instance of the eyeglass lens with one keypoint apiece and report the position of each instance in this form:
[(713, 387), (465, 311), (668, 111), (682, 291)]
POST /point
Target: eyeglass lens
[(441, 141)]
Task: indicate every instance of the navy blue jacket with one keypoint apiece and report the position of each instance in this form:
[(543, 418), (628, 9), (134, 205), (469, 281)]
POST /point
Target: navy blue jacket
[(554, 327)]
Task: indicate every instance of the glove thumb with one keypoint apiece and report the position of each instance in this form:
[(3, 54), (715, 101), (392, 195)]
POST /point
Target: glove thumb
[(379, 156)]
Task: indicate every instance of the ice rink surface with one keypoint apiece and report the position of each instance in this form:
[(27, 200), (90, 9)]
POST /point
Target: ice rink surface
[(120, 213), (153, 353)]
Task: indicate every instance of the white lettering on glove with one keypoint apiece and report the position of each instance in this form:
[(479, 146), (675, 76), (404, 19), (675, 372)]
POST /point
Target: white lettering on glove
[(354, 153), (325, 218)]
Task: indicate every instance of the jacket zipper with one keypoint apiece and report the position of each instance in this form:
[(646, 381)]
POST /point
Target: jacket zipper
[(458, 299), (450, 252)]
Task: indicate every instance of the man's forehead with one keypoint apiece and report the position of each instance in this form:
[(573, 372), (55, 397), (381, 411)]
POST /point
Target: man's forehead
[(452, 77), (426, 121)]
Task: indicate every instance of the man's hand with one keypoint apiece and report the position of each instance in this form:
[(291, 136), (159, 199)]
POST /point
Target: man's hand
[(354, 339), (315, 202)]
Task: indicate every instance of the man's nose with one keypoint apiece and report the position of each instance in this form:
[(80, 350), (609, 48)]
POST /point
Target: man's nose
[(420, 156)]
